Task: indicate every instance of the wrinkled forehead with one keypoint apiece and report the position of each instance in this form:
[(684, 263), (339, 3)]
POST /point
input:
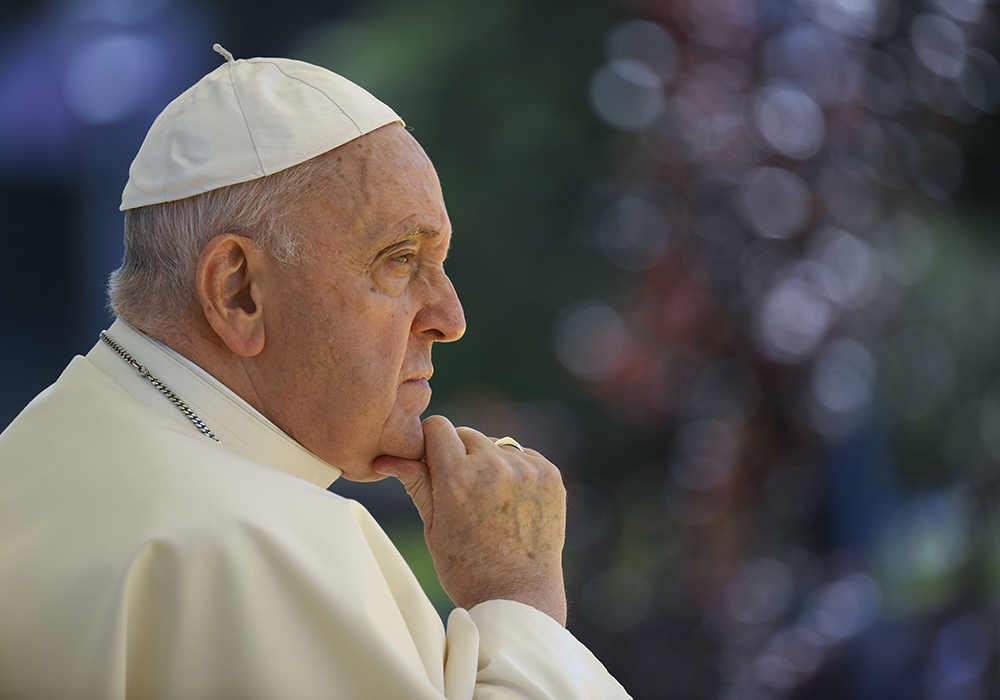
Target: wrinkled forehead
[(387, 152), (378, 184)]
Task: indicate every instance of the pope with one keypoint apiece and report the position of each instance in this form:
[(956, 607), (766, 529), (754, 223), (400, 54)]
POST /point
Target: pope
[(165, 525)]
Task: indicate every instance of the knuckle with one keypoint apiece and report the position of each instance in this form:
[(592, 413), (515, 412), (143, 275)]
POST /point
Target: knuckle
[(468, 434), (436, 422), (552, 479), (548, 470)]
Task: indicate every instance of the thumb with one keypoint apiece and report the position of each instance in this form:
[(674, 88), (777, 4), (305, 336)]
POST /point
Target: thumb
[(415, 479)]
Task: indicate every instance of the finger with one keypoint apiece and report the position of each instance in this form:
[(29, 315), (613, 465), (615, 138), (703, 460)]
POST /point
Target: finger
[(523, 449), (475, 441), (415, 478), (508, 442), (399, 467), (442, 441)]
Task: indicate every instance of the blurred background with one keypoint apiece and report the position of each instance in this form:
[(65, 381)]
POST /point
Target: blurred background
[(732, 264)]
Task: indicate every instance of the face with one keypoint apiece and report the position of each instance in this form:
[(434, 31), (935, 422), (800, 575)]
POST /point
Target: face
[(348, 334)]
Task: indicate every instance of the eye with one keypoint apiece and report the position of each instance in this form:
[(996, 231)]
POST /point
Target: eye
[(403, 258)]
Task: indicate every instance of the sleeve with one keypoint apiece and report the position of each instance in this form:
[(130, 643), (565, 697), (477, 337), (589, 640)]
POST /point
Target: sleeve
[(268, 609), (502, 649), (258, 613)]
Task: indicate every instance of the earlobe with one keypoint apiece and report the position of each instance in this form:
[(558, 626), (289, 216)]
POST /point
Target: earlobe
[(230, 292)]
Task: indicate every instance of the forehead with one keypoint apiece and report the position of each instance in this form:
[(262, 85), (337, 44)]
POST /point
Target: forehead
[(380, 186)]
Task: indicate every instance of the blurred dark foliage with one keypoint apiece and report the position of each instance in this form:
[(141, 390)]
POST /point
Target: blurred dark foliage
[(803, 191)]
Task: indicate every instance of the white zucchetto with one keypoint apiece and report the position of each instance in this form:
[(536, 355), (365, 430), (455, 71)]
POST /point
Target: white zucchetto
[(247, 119)]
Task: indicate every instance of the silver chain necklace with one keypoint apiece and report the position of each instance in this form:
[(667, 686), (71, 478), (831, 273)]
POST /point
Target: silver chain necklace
[(163, 388)]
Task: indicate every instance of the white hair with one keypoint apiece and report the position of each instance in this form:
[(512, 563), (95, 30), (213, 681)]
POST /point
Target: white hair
[(155, 286)]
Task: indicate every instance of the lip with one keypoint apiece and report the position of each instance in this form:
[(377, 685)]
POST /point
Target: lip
[(414, 395), (424, 376)]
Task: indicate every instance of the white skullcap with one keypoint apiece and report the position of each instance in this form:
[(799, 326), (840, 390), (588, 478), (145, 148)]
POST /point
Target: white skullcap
[(244, 120)]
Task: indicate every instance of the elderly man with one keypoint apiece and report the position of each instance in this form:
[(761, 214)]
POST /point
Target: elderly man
[(165, 528)]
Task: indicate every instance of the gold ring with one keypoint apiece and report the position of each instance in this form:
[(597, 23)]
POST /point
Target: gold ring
[(508, 441)]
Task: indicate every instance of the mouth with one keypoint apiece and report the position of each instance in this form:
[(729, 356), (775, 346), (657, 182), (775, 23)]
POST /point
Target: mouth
[(414, 395), (424, 376)]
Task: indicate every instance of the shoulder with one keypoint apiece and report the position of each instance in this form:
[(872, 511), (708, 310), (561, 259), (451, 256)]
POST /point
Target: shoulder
[(87, 454)]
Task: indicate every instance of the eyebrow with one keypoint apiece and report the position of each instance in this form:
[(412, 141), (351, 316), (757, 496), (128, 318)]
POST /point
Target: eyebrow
[(417, 232), (420, 231)]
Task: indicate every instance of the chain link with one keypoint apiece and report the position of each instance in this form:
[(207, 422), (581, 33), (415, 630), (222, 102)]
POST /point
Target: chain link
[(163, 388)]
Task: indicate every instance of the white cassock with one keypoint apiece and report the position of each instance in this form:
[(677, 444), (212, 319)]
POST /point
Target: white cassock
[(141, 559)]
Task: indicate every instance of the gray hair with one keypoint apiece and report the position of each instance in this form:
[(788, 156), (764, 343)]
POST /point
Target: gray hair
[(155, 286)]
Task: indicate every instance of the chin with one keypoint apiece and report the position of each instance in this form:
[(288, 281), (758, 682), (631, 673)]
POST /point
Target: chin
[(405, 440), (363, 476), (409, 449), (402, 438)]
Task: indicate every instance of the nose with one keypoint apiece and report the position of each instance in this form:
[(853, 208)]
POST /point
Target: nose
[(442, 317)]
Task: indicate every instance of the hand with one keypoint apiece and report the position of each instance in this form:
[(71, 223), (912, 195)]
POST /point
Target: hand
[(494, 517)]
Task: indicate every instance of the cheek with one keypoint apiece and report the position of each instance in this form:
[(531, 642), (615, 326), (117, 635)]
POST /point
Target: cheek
[(349, 348), (366, 364)]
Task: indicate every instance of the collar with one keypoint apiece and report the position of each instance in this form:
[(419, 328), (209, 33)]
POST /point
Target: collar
[(239, 427)]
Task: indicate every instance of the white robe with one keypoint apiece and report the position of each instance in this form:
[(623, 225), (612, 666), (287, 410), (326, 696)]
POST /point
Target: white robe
[(141, 559)]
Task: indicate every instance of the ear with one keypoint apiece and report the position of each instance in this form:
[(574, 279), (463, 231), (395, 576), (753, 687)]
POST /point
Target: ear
[(229, 290)]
